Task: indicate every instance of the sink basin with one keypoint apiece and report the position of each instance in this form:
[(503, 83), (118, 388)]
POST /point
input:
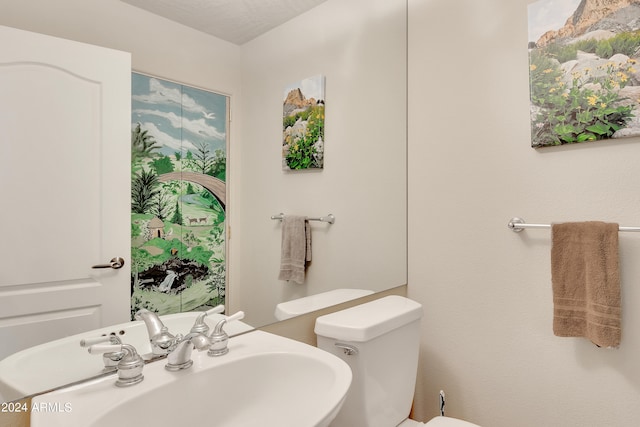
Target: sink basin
[(61, 362), (264, 380)]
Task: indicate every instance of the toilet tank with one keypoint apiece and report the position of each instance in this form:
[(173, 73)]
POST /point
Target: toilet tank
[(380, 342)]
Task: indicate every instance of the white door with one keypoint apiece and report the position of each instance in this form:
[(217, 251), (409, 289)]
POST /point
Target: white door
[(64, 187)]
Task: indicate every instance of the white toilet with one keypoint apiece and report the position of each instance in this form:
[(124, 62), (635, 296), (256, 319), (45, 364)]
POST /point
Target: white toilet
[(380, 342)]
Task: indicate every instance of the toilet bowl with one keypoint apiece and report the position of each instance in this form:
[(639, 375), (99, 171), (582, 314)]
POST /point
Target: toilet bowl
[(379, 340)]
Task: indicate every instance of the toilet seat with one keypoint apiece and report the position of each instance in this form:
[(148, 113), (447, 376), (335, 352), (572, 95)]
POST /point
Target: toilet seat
[(438, 422), (410, 423), (449, 422)]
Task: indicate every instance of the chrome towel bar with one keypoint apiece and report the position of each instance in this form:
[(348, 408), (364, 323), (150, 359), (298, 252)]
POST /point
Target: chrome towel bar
[(518, 224), (329, 218)]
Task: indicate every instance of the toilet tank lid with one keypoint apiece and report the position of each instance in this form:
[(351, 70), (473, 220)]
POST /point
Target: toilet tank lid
[(367, 321), (296, 307)]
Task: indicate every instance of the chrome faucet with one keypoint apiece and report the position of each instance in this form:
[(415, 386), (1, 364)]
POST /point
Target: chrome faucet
[(162, 341), (159, 336), (151, 320), (180, 357), (129, 367)]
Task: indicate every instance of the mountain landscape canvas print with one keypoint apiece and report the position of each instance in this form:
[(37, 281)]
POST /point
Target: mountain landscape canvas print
[(303, 125), (583, 70)]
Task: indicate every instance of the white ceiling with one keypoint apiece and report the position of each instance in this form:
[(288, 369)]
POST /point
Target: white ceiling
[(236, 21)]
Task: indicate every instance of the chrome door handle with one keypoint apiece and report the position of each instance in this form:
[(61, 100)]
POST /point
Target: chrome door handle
[(115, 263)]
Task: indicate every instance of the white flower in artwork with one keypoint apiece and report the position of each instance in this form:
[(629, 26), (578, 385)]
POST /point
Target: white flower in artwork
[(319, 151)]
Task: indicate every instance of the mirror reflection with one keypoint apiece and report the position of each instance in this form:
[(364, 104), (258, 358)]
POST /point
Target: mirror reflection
[(362, 57)]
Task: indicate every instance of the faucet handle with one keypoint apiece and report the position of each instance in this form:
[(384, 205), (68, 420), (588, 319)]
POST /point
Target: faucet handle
[(110, 359), (129, 367), (239, 315), (218, 309), (88, 342), (200, 327), (219, 337), (104, 348), (112, 339)]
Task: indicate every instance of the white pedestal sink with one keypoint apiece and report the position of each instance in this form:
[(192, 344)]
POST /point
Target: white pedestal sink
[(61, 362), (265, 380)]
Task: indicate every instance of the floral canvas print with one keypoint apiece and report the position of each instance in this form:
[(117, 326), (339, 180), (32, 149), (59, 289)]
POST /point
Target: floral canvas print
[(584, 77), (303, 125), (178, 187)]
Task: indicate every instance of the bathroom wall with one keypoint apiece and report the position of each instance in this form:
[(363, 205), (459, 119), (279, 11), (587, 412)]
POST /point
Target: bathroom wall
[(158, 46), (487, 335), (359, 46)]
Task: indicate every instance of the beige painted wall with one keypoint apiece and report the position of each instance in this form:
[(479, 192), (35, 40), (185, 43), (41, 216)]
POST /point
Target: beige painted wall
[(158, 46), (487, 335)]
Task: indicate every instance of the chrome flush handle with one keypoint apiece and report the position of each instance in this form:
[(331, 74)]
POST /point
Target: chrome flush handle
[(348, 349)]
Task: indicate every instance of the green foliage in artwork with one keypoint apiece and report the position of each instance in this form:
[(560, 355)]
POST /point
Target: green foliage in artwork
[(142, 144), (206, 162), (177, 215), (219, 167), (590, 108), (302, 115), (135, 230), (218, 212), (289, 121), (302, 152), (197, 254), (141, 260), (161, 206), (624, 43), (162, 165), (217, 283), (143, 191)]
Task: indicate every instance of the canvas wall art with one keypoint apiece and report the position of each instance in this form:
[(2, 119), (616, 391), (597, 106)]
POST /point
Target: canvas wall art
[(583, 70), (178, 196), (303, 125)]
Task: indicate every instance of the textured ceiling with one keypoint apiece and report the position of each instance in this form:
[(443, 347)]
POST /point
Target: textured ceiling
[(236, 21)]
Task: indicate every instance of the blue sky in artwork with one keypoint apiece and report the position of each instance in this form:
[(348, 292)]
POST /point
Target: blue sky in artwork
[(179, 117), (545, 15)]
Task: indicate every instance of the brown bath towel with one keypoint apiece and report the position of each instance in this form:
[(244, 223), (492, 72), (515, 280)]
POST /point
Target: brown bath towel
[(586, 282), (296, 248)]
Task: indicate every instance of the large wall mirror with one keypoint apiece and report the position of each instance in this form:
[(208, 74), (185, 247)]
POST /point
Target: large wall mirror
[(359, 47)]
